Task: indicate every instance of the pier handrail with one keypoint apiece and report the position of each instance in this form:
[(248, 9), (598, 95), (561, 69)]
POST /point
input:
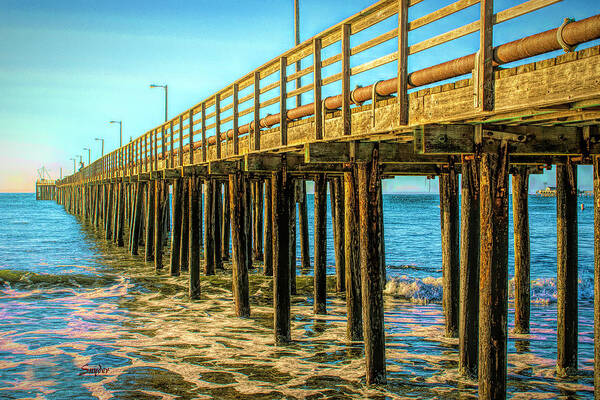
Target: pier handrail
[(166, 145)]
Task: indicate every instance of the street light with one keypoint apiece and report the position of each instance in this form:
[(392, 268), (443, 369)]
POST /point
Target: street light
[(100, 139), (73, 164), (166, 97), (80, 159), (120, 131), (89, 155)]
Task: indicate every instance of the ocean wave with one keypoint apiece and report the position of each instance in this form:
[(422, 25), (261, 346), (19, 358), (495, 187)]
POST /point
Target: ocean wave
[(429, 289), (17, 277)]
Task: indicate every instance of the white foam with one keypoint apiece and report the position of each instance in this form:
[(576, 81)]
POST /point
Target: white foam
[(429, 289)]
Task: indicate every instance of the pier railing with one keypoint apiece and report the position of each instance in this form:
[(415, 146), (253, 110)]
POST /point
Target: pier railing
[(236, 120)]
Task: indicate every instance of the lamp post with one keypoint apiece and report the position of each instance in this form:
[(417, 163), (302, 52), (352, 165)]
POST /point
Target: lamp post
[(89, 155), (73, 164), (102, 140), (166, 98), (120, 132), (80, 158)]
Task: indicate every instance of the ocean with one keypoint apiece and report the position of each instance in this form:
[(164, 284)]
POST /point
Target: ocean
[(82, 319)]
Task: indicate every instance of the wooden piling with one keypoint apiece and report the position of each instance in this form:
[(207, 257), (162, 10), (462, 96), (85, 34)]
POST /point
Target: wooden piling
[(520, 189), (241, 297), (194, 236), (150, 204), (248, 223), (597, 277), (303, 227), (450, 249), (108, 214), (174, 266), (369, 182), (292, 217), (209, 257), (258, 221), (137, 219), (120, 215), (320, 278), (354, 330), (469, 269), (493, 273), (216, 220), (566, 282), (281, 258), (268, 230), (226, 226), (338, 228), (159, 201), (185, 225)]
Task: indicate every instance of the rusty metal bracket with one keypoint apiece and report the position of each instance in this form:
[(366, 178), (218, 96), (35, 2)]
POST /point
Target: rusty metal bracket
[(501, 135)]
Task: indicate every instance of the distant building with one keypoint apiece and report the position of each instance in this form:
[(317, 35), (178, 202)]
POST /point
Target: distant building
[(550, 191)]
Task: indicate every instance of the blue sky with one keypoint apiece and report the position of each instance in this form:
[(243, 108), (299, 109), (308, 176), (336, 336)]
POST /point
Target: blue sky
[(68, 67)]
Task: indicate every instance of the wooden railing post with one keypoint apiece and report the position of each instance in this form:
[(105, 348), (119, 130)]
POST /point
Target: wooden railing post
[(218, 124), (256, 129), (171, 149), (346, 122), (484, 101), (181, 140), (203, 131), (283, 100), (402, 61), (236, 145), (191, 139), (163, 146), (317, 88)]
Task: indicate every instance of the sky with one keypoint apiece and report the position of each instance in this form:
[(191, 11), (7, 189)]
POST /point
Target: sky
[(67, 67)]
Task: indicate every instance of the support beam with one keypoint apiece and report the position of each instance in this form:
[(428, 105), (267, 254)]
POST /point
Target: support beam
[(241, 297), (292, 217), (469, 269), (258, 221), (303, 227), (566, 282), (268, 230), (194, 236), (320, 275), (281, 257), (137, 219), (209, 232), (449, 212), (175, 266), (520, 189), (226, 225), (493, 273), (185, 225), (216, 220), (108, 212), (338, 237), (150, 204), (159, 204), (248, 223), (120, 215), (597, 277), (354, 330), (369, 182)]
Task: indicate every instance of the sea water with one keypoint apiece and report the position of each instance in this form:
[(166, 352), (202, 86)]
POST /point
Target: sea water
[(83, 319)]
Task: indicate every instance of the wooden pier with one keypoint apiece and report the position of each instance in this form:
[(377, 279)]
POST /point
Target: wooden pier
[(226, 160), (45, 189)]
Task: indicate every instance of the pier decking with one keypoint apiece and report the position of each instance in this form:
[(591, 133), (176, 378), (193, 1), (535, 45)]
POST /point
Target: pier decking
[(494, 122)]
